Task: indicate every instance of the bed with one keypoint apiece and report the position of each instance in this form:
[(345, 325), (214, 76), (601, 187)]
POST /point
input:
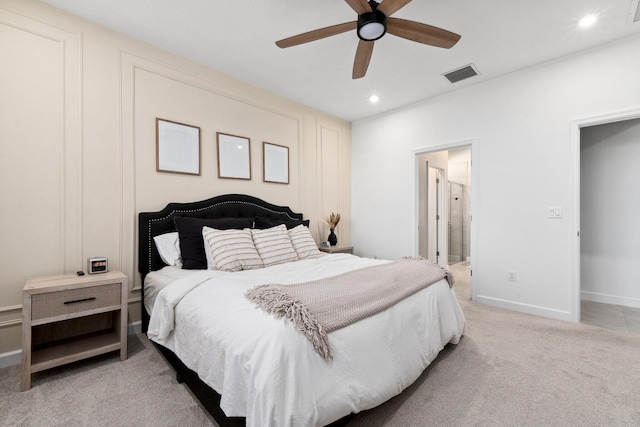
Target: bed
[(248, 367)]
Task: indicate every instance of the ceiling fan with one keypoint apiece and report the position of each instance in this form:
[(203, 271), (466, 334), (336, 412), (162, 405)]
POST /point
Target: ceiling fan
[(374, 21)]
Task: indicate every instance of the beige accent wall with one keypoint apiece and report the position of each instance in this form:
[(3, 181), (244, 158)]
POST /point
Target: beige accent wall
[(77, 128)]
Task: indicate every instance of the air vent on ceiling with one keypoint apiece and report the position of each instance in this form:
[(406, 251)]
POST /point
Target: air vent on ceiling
[(461, 73)]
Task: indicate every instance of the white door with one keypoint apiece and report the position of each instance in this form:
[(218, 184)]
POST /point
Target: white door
[(434, 212)]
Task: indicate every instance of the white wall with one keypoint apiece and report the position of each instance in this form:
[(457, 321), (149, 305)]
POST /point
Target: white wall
[(522, 164), (460, 166), (609, 205)]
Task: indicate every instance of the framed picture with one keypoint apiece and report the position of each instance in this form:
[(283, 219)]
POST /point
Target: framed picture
[(275, 162), (234, 156), (177, 147)]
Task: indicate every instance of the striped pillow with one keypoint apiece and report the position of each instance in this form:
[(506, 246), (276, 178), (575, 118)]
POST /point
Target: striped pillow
[(232, 250), (273, 245), (303, 243)]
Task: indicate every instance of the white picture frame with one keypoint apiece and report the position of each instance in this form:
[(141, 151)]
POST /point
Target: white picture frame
[(275, 162), (234, 156), (177, 147)]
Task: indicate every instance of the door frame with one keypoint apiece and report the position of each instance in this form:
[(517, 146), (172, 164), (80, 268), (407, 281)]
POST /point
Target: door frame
[(576, 125), (476, 273)]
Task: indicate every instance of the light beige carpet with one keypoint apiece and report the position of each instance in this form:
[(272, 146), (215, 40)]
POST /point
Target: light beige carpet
[(510, 369), (103, 391)]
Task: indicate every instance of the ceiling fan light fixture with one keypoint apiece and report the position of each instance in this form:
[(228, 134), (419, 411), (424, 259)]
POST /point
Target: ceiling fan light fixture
[(372, 26)]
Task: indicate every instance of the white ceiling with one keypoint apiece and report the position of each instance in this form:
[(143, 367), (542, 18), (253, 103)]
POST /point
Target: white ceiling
[(237, 37)]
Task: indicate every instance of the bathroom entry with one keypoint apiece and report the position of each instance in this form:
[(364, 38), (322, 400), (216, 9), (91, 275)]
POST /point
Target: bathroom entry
[(444, 206), (444, 211)]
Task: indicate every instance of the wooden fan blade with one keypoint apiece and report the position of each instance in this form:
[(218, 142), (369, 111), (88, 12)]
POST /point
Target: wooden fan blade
[(421, 33), (360, 6), (363, 56), (389, 7), (317, 34)]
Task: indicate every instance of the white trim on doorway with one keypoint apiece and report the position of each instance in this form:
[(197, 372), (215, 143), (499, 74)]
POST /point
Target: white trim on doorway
[(576, 125), (475, 201)]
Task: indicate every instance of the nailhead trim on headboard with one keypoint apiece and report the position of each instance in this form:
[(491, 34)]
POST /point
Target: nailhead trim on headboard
[(282, 213)]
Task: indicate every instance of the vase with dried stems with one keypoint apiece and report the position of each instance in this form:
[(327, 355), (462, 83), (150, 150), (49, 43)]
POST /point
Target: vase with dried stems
[(332, 221)]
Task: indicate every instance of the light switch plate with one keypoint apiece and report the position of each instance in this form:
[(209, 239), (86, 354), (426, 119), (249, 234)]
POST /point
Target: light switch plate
[(554, 212)]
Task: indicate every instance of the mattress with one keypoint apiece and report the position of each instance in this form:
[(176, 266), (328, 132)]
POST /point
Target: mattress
[(267, 371)]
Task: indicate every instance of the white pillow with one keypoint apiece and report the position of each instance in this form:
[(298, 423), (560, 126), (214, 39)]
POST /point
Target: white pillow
[(211, 263), (168, 246), (232, 250), (273, 245), (303, 243)]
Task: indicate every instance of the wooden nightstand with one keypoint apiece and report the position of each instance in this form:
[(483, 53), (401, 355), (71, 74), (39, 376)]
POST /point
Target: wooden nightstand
[(337, 249), (66, 318)]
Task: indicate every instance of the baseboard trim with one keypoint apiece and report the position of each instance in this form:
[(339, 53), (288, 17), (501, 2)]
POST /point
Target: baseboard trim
[(525, 308), (11, 358), (610, 299), (134, 328)]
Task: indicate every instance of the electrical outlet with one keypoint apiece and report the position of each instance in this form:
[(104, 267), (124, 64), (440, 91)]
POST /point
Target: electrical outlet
[(511, 275)]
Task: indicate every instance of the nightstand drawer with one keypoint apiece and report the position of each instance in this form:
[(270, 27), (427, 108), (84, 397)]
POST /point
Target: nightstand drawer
[(61, 303)]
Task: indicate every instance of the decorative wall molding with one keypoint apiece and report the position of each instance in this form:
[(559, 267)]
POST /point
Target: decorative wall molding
[(66, 59), (331, 191), (8, 323), (70, 47), (130, 65), (9, 308)]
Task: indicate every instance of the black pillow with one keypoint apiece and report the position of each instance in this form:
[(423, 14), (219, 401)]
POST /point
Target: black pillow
[(262, 223), (191, 242)]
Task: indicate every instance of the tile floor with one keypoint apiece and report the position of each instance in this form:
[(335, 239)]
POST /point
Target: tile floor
[(610, 316), (606, 316)]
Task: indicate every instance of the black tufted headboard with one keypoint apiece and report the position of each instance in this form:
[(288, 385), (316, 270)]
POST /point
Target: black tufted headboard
[(226, 206), (151, 224)]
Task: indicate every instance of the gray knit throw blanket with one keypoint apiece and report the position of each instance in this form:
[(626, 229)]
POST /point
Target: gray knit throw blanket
[(325, 305)]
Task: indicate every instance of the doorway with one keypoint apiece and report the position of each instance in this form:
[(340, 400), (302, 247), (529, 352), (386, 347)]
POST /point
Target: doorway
[(444, 211), (609, 231), (581, 212)]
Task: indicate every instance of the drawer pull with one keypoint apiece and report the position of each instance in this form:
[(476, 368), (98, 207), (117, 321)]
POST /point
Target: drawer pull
[(79, 300)]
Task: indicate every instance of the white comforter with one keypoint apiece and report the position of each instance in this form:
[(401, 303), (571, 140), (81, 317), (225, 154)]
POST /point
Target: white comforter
[(269, 373)]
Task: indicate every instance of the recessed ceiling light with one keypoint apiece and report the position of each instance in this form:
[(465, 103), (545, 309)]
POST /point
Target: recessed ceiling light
[(588, 21), (374, 98)]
